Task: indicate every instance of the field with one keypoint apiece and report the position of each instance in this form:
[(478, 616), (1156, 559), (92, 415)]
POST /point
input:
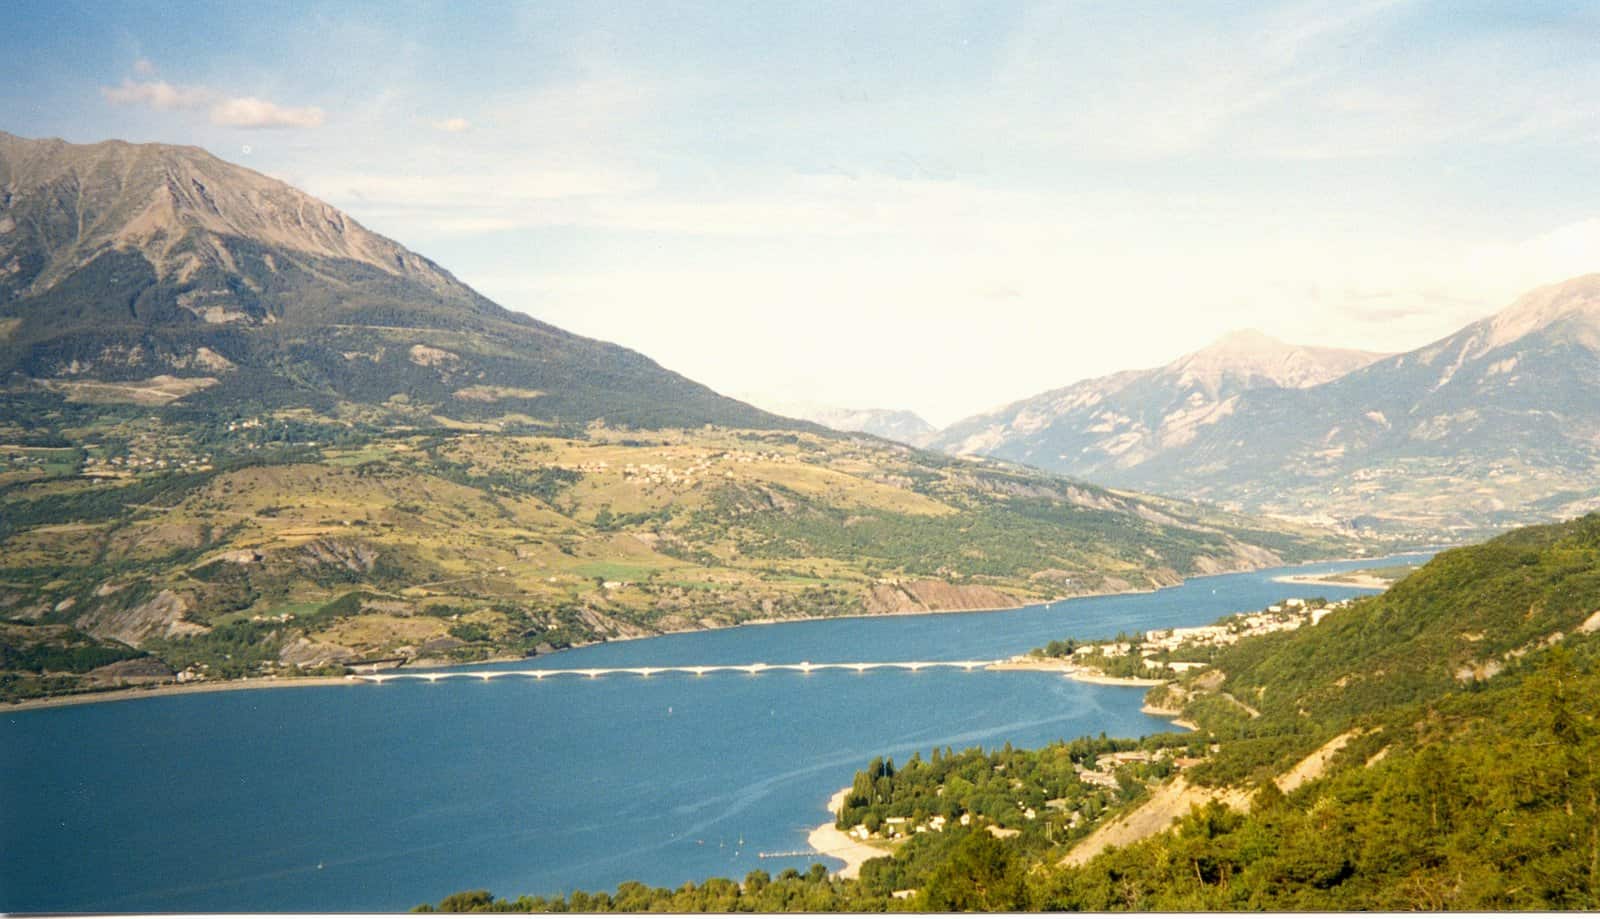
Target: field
[(292, 542)]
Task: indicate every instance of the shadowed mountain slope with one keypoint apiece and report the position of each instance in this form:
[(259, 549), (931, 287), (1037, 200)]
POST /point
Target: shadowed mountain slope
[(127, 262)]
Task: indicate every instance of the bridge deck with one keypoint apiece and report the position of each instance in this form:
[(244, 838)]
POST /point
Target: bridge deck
[(694, 669)]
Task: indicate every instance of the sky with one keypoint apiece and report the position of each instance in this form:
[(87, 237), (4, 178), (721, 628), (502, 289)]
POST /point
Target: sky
[(941, 207)]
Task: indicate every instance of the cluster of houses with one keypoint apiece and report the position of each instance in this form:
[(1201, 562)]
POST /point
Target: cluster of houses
[(121, 465), (663, 474), (902, 827), (1102, 775), (1287, 616)]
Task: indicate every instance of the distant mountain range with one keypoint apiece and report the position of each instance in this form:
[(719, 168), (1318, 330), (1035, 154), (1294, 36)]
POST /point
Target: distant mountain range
[(241, 435), (1494, 425), (1120, 421), (133, 263), (893, 424)]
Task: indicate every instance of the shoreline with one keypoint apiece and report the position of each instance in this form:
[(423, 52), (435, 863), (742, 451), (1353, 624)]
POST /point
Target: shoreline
[(829, 840), (1168, 714), (1365, 582), (170, 689), (1074, 672), (120, 695)]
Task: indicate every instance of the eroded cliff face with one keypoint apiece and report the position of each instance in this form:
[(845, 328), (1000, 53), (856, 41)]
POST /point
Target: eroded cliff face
[(930, 596), (161, 616)]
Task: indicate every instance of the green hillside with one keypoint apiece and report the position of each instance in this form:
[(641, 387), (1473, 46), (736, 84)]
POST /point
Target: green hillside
[(1432, 748), (297, 543)]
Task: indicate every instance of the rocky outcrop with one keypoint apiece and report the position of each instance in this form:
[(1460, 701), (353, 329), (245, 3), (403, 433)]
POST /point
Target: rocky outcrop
[(1242, 558), (139, 671), (303, 652), (931, 596), (161, 615), (338, 553)]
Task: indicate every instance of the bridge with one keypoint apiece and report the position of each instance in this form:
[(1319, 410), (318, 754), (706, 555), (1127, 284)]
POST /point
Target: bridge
[(693, 669)]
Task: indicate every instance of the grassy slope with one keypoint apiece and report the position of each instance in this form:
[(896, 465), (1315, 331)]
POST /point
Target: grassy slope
[(465, 541)]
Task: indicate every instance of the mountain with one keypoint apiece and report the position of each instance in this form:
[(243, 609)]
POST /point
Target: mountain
[(1099, 428), (175, 275), (1495, 425), (891, 424), (241, 435)]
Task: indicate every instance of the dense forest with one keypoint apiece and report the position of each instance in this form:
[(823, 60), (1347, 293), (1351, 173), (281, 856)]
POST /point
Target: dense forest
[(1455, 720)]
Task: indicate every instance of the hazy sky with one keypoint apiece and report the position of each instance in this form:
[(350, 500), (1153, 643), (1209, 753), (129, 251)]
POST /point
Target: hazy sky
[(941, 207)]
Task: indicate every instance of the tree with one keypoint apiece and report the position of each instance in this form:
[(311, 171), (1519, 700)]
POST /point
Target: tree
[(978, 876), (467, 901)]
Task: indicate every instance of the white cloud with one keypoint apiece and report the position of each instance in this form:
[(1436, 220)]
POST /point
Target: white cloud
[(157, 94), (452, 125), (250, 112), (235, 111), (144, 67)]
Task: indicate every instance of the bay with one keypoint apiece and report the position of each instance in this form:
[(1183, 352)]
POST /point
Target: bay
[(367, 797)]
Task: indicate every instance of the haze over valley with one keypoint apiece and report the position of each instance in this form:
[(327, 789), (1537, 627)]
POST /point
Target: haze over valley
[(922, 456)]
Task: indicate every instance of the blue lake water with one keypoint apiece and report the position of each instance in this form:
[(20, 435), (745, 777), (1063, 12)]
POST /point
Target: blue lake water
[(367, 797)]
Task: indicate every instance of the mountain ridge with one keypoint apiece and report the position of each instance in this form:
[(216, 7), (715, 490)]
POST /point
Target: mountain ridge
[(1139, 410), (130, 262), (1490, 426), (900, 425)]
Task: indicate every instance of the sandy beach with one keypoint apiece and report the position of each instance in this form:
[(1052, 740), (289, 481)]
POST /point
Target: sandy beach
[(830, 840), (1072, 671), (1335, 580), (1090, 676), (1169, 714), (172, 689)]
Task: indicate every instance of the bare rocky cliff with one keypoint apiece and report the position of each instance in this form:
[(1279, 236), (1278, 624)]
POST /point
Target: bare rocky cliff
[(929, 596)]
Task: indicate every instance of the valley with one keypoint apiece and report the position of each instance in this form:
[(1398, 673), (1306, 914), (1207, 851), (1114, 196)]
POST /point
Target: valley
[(1314, 626), (295, 545), (246, 437)]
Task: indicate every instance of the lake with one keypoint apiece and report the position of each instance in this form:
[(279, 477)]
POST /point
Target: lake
[(368, 797)]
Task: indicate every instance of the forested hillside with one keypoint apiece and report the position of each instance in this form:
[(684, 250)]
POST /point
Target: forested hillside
[(1435, 747)]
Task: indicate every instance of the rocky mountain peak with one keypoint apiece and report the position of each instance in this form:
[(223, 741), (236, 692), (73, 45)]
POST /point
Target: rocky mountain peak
[(174, 205), (179, 277), (1249, 358), (1569, 310)]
